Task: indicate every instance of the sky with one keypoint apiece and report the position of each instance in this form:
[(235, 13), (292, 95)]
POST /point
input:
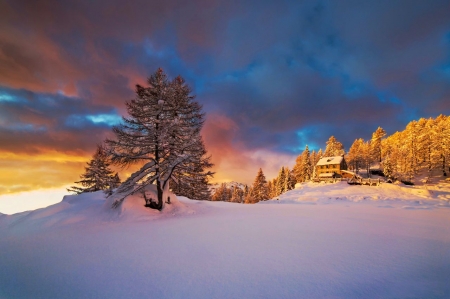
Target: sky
[(272, 76)]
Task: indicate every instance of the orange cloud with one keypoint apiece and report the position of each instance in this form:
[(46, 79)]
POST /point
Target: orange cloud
[(232, 160)]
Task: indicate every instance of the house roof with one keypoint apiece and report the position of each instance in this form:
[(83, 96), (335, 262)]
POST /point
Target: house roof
[(330, 160)]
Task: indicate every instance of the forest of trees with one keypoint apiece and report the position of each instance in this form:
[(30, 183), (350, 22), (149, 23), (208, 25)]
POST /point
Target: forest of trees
[(424, 146)]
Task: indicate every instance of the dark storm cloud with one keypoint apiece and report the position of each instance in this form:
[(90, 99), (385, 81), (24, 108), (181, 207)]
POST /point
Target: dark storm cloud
[(281, 74), (37, 122)]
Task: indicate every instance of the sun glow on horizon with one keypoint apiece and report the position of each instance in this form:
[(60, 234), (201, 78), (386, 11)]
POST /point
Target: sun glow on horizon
[(31, 200)]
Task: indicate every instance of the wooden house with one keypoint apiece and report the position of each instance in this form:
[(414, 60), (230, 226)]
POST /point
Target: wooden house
[(332, 167)]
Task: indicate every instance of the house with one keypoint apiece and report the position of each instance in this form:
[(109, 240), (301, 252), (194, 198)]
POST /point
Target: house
[(332, 167)]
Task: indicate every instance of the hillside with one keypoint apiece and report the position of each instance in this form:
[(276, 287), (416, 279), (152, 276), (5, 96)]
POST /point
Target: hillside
[(317, 241)]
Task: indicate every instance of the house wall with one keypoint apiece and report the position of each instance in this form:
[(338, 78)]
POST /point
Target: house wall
[(332, 168)]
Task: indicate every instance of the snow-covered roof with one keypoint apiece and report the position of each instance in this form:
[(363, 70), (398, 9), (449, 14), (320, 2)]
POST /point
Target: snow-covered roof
[(330, 160)]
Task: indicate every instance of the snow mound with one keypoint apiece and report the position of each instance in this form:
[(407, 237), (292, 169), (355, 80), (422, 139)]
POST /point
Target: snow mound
[(133, 207), (93, 209)]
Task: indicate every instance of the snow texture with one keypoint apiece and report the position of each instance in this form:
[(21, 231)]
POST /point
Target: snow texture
[(330, 160), (317, 241)]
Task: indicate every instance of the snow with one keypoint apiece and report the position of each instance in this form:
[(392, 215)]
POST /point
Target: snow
[(318, 241), (330, 160)]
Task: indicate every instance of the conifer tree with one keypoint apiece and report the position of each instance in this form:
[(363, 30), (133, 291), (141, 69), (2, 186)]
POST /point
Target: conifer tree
[(298, 169), (222, 193), (314, 161), (387, 165), (280, 181), (270, 189), (259, 189), (196, 188), (306, 165), (98, 175), (375, 144), (333, 148), (250, 198), (163, 133), (238, 195), (355, 155), (319, 154), (274, 192)]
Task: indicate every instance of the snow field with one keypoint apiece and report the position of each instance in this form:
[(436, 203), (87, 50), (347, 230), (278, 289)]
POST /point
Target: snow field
[(350, 247)]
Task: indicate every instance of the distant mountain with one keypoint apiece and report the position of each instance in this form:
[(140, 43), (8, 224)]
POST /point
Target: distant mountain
[(213, 187)]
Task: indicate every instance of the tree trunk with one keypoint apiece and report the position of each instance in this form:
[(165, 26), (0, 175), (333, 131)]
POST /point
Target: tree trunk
[(443, 165), (158, 205)]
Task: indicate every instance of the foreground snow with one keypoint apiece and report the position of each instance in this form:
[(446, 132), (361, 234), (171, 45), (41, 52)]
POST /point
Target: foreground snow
[(318, 241)]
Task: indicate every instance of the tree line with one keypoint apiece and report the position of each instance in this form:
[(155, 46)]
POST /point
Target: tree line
[(422, 145)]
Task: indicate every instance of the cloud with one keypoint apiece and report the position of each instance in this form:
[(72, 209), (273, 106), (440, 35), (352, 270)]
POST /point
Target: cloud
[(272, 76)]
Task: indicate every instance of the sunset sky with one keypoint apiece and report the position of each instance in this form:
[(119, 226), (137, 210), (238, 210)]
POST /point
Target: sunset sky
[(272, 76)]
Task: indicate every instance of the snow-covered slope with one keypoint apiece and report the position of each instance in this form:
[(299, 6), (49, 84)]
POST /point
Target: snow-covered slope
[(343, 243), (385, 194), (94, 209)]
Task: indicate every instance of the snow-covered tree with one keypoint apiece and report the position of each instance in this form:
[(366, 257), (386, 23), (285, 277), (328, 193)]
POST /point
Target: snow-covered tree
[(272, 188), (303, 168), (375, 144), (297, 170), (441, 144), (223, 193), (314, 159), (259, 188), (319, 154), (333, 148), (196, 188), (354, 156), (163, 133), (237, 195), (289, 180), (306, 165), (387, 165), (280, 181), (98, 175)]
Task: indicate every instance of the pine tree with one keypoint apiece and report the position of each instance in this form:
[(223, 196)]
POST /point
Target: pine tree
[(333, 148), (222, 193), (197, 188), (274, 193), (441, 143), (98, 175), (357, 155), (238, 195), (163, 133), (280, 181), (250, 198), (287, 180), (319, 155), (314, 161), (306, 169), (388, 170), (298, 169), (375, 144), (270, 189), (259, 189)]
